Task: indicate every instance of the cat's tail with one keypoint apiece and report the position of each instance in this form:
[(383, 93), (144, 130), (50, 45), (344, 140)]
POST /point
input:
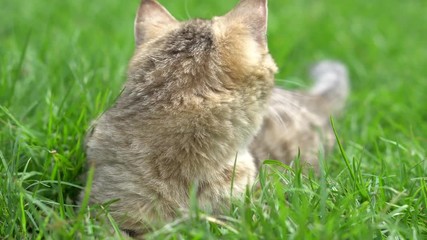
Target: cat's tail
[(331, 85)]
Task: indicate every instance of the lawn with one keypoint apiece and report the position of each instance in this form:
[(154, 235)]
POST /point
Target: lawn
[(62, 63)]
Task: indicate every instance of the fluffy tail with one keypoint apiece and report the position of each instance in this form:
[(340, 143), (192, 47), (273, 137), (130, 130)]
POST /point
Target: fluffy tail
[(331, 84)]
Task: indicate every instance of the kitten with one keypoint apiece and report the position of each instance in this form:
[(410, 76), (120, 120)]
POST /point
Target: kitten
[(194, 99), (197, 94)]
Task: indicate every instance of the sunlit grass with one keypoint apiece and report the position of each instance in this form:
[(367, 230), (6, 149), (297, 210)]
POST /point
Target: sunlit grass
[(63, 62)]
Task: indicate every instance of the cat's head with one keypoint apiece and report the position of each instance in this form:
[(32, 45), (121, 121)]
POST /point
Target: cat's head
[(227, 52)]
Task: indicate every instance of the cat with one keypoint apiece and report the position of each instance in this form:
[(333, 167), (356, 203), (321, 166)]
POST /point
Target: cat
[(197, 93), (193, 101)]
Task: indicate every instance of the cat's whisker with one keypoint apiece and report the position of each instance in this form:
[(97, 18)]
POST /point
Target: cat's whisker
[(277, 116), (187, 11)]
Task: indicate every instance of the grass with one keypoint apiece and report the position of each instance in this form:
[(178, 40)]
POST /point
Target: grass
[(63, 62)]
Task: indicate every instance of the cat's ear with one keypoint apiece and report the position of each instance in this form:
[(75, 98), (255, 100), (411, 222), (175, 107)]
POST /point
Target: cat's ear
[(253, 14), (151, 19)]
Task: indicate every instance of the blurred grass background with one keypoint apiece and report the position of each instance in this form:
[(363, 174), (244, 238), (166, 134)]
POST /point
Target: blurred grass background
[(63, 62)]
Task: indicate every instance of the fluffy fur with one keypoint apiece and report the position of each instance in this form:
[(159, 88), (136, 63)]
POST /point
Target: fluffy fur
[(197, 94), (194, 99), (297, 122)]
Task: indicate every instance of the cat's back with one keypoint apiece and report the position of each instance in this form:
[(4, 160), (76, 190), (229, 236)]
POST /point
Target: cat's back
[(194, 98)]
